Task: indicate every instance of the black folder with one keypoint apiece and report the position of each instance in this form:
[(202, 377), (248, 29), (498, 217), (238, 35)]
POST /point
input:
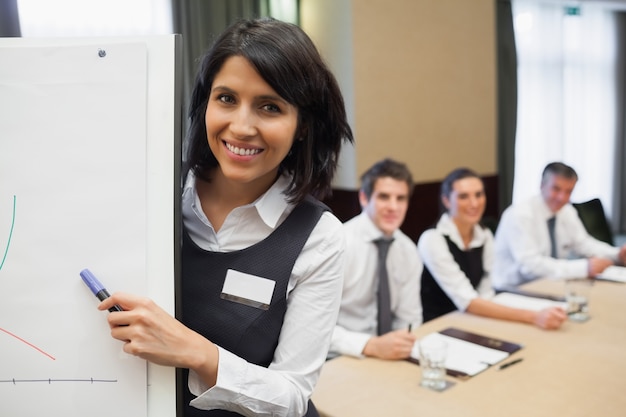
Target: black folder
[(478, 339)]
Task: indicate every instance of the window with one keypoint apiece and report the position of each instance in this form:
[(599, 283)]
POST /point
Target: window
[(566, 96), (67, 18)]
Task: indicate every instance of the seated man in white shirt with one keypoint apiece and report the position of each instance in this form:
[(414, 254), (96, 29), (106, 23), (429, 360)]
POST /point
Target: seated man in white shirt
[(524, 249), (360, 331)]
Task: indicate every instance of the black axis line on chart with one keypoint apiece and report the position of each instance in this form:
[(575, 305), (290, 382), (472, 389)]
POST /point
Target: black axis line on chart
[(51, 380)]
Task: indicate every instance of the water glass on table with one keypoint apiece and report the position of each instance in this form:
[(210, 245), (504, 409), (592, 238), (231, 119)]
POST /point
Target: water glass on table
[(577, 293), (432, 357)]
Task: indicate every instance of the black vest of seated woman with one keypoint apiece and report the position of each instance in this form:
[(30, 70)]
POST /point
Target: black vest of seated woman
[(435, 302), (246, 331)]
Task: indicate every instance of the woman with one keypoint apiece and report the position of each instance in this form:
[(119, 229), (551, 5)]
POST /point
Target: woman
[(458, 255), (261, 260)]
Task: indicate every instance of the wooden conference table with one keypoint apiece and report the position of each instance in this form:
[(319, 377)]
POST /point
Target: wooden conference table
[(579, 370)]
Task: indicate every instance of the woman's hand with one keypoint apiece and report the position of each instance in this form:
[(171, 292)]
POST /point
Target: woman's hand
[(149, 332)]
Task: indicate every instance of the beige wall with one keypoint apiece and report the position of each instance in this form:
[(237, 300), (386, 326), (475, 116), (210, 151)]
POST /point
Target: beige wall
[(423, 85)]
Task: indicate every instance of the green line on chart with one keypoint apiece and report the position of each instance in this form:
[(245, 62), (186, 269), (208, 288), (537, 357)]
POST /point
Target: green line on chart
[(6, 250)]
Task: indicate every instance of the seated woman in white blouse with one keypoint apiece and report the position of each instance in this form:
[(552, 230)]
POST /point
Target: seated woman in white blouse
[(458, 255)]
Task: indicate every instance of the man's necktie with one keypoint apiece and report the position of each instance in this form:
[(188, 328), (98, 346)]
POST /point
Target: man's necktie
[(384, 300), (551, 224)]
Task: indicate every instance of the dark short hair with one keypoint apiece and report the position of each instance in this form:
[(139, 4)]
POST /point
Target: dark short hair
[(448, 183), (286, 58), (560, 169), (385, 168)]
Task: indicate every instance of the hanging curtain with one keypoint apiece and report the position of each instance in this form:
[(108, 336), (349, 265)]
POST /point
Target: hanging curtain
[(9, 19), (619, 205), (507, 102), (567, 69)]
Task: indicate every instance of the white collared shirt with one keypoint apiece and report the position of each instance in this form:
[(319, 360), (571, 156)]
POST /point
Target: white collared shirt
[(357, 321), (313, 296), (522, 245), (435, 253)]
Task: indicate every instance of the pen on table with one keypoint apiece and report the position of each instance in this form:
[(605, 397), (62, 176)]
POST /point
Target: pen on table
[(97, 288), (506, 365)]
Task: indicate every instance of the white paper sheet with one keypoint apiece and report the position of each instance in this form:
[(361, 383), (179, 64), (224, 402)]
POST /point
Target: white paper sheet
[(525, 302), (614, 273), (72, 196), (469, 358)]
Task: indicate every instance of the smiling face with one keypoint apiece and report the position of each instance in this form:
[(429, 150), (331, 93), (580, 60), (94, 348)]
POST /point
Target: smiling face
[(466, 202), (556, 191), (250, 128), (388, 204)]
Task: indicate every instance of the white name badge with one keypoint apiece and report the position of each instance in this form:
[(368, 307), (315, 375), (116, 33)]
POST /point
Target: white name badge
[(248, 289)]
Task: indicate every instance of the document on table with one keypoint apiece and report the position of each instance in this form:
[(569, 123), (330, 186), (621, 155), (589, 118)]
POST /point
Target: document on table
[(469, 353), (613, 273), (526, 302)]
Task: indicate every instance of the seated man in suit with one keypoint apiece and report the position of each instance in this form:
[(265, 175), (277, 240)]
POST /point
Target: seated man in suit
[(369, 325), (544, 237)]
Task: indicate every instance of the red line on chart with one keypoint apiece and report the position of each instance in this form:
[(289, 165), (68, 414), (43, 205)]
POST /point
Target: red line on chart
[(28, 343), (6, 250)]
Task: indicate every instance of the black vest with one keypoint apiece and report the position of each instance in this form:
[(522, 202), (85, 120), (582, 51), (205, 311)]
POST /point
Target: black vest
[(435, 302), (248, 332)]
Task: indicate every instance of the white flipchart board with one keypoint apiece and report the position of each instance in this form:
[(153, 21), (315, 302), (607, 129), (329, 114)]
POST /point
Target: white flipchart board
[(89, 168)]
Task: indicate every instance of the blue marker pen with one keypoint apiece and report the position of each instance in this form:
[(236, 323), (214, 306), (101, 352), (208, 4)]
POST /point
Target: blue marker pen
[(97, 288)]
